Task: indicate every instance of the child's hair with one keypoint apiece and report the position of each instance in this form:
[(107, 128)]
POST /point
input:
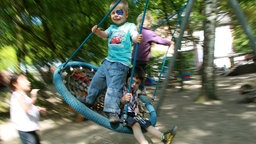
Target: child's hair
[(14, 79), (123, 4), (138, 73), (147, 18)]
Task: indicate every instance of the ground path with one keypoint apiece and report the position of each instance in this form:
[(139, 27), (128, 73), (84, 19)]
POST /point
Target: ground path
[(219, 122)]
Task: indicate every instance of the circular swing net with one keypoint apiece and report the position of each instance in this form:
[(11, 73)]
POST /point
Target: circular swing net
[(72, 83), (72, 80)]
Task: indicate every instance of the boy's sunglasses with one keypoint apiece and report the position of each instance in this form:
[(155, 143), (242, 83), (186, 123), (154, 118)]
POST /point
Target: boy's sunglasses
[(119, 12)]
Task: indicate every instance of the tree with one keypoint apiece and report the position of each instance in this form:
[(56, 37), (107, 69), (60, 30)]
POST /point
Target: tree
[(208, 90), (50, 29)]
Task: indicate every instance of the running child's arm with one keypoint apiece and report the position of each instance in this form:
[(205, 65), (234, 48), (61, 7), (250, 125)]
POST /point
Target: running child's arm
[(27, 106)]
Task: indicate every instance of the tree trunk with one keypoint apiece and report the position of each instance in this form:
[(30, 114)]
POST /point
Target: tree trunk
[(208, 75)]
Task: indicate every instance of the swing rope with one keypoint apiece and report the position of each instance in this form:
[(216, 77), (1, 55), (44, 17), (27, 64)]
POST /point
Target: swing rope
[(134, 61), (165, 57), (170, 17)]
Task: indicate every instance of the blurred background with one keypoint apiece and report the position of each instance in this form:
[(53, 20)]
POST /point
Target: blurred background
[(36, 36)]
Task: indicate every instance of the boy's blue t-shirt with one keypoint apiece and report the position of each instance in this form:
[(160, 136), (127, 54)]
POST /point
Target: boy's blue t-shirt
[(120, 42)]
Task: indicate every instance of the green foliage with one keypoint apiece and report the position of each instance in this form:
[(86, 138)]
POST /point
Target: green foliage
[(241, 41), (8, 59), (154, 66), (4, 105), (50, 29), (184, 62), (34, 82)]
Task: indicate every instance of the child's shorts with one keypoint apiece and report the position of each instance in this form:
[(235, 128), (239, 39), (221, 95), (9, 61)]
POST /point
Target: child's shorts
[(144, 123)]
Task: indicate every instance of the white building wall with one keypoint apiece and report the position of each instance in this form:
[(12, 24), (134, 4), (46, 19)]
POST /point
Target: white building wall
[(223, 46)]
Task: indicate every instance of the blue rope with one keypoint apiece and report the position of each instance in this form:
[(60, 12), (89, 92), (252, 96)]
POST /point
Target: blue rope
[(86, 39), (170, 17), (134, 62), (165, 57)]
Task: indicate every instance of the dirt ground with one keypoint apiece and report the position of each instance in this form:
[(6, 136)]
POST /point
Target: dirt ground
[(220, 122)]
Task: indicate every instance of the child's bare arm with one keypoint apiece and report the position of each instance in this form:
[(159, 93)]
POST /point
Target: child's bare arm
[(27, 106), (137, 110), (171, 43), (99, 32), (126, 98), (137, 38)]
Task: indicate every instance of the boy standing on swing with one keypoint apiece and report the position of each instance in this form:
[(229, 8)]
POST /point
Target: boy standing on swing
[(114, 69)]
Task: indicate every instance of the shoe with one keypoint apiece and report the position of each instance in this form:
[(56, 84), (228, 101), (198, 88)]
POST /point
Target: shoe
[(113, 118), (168, 136)]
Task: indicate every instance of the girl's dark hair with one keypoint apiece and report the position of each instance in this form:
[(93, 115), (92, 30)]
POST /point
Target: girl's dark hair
[(138, 73), (14, 79)]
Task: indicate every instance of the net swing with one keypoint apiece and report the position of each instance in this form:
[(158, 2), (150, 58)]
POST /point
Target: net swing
[(72, 79)]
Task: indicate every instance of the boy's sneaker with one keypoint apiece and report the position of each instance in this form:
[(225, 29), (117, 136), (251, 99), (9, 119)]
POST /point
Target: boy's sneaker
[(113, 118), (168, 136)]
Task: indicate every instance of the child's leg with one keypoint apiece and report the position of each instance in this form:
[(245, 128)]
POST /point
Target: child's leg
[(155, 132), (138, 134), (166, 137), (29, 137), (97, 84), (116, 75)]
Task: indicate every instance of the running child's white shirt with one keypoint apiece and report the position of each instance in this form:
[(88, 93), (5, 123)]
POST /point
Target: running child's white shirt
[(23, 121)]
